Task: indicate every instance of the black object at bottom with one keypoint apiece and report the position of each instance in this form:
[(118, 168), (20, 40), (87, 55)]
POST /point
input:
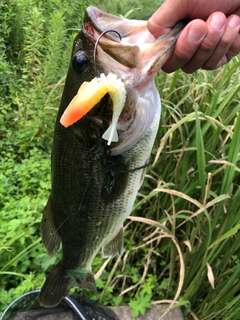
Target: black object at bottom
[(82, 308)]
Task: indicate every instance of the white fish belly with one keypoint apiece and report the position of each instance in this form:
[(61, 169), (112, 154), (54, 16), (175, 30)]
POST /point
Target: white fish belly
[(140, 154)]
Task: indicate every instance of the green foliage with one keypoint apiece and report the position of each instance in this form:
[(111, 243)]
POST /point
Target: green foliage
[(35, 44), (197, 185), (131, 9), (182, 241), (141, 303), (144, 297)]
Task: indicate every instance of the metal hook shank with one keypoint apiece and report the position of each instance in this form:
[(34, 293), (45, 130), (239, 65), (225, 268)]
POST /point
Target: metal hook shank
[(96, 44)]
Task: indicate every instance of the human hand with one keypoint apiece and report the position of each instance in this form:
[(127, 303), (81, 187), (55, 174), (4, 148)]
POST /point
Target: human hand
[(202, 44)]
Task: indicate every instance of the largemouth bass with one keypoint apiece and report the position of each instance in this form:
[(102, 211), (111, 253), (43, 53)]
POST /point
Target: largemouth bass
[(95, 183)]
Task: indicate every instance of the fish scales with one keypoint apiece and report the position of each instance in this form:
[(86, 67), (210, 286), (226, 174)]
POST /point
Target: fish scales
[(94, 185)]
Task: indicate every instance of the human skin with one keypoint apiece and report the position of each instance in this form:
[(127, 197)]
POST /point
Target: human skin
[(209, 40)]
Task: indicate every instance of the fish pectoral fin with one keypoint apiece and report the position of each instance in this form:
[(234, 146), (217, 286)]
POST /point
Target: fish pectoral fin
[(55, 288), (115, 246), (50, 236)]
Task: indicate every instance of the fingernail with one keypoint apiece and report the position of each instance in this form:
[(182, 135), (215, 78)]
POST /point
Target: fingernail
[(217, 21), (195, 34), (234, 22)]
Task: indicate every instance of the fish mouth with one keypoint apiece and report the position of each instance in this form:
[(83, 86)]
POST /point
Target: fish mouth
[(121, 50), (135, 57), (137, 47)]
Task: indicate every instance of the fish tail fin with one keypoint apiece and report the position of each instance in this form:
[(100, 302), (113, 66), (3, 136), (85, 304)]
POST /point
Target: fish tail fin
[(55, 288), (60, 281)]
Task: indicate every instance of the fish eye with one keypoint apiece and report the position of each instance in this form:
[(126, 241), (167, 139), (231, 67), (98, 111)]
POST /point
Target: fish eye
[(80, 62)]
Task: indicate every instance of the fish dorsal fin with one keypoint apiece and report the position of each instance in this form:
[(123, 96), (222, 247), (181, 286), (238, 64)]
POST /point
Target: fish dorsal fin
[(115, 246), (50, 236)]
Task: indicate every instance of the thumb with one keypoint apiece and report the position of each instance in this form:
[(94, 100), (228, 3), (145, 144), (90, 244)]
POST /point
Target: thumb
[(167, 16)]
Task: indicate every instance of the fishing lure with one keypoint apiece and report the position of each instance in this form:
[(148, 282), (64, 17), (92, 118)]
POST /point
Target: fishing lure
[(89, 94)]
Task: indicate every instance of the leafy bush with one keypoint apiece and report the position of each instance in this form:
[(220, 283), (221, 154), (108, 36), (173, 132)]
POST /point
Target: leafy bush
[(182, 240), (35, 44)]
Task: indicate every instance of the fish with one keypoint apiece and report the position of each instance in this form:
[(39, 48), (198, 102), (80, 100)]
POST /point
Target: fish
[(95, 180)]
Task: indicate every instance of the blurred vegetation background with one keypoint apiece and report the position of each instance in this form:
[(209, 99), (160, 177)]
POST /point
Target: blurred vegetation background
[(182, 240)]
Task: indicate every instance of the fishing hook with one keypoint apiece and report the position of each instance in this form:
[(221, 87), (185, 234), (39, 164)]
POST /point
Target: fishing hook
[(96, 44)]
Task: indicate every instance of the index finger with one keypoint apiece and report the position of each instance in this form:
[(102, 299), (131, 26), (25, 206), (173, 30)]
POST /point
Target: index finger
[(164, 19), (187, 44)]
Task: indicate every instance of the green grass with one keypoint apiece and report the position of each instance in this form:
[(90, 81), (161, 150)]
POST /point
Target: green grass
[(201, 146), (182, 240)]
